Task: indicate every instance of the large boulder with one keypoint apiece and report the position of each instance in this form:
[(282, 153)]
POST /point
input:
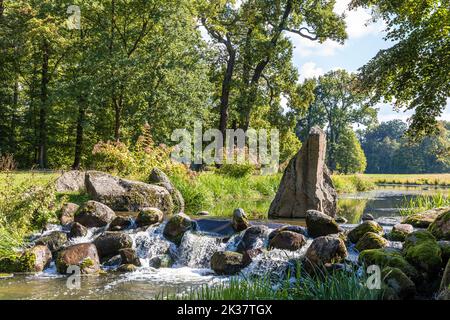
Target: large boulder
[(371, 240), (35, 259), (422, 251), (387, 257), (227, 262), (240, 221), (109, 243), (68, 212), (161, 179), (397, 285), (320, 224), (287, 240), (306, 183), (94, 214), (325, 250), (54, 240), (367, 226), (83, 255), (177, 226), (126, 195), (400, 231), (253, 238), (424, 219), (42, 257), (149, 216), (71, 181), (440, 228)]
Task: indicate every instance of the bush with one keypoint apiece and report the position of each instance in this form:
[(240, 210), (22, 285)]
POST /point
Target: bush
[(237, 170)]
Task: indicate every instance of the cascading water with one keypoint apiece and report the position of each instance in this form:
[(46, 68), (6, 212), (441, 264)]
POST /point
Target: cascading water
[(196, 250)]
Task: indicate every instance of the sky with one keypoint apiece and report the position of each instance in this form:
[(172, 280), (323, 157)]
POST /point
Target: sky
[(365, 39)]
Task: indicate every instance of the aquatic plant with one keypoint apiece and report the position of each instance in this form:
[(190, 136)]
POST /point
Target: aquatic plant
[(423, 203)]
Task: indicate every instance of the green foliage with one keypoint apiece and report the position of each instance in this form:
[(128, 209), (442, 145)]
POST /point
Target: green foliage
[(414, 71), (352, 183), (338, 285), (349, 156), (236, 170), (424, 203)]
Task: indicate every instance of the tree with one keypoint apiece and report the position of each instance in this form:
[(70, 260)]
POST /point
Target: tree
[(414, 72), (349, 156), (337, 105)]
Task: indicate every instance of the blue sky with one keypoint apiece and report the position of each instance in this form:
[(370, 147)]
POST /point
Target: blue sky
[(365, 39)]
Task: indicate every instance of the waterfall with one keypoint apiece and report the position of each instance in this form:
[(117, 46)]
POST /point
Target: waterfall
[(196, 249)]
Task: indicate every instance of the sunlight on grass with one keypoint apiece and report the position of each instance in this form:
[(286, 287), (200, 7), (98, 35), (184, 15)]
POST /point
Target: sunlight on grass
[(423, 203)]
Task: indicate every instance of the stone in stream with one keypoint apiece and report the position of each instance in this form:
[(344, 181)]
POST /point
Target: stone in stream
[(400, 231), (71, 181), (423, 252), (371, 240), (94, 214), (83, 255), (161, 179), (127, 195), (367, 226), (397, 285), (445, 282), (77, 230), (445, 249), (341, 220), (55, 240), (325, 250), (292, 228), (367, 217), (424, 219), (287, 240), (440, 228), (227, 262), (68, 212), (35, 259), (240, 220), (320, 224), (120, 223), (306, 183), (149, 216), (161, 261), (177, 226), (109, 243), (252, 238), (129, 256), (388, 257), (250, 255), (43, 257)]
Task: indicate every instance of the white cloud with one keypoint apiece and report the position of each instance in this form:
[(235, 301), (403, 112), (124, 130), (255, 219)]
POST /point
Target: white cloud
[(310, 70)]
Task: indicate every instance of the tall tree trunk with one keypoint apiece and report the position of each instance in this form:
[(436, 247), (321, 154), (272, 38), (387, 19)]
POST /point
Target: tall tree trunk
[(80, 132), (225, 96), (43, 107)]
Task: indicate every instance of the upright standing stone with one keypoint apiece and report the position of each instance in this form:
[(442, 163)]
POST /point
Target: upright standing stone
[(306, 183)]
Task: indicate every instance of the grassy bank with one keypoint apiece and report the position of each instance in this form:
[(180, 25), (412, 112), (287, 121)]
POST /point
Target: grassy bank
[(425, 202), (438, 179), (331, 286)]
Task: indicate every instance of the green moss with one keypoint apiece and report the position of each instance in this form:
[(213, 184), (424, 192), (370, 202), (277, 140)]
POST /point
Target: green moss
[(440, 228), (367, 226), (387, 257), (397, 283), (24, 262), (371, 240), (86, 263), (422, 251)]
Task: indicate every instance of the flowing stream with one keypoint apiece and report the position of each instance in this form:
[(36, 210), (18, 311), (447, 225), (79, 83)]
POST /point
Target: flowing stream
[(192, 257)]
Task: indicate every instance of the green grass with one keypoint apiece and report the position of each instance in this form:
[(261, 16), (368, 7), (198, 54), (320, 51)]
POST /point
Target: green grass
[(423, 203), (338, 285), (437, 179)]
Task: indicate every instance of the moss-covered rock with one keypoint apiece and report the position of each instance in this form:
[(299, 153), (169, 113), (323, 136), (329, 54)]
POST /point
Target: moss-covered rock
[(83, 255), (445, 250), (367, 226), (120, 223), (94, 214), (240, 221), (149, 216), (388, 257), (325, 250), (227, 262), (19, 262), (400, 231), (371, 240), (177, 226), (422, 251), (127, 268), (54, 241), (424, 219), (159, 178), (445, 282), (162, 261), (397, 285), (440, 228), (287, 240), (109, 243)]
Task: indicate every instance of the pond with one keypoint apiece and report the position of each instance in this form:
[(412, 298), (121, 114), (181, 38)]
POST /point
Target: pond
[(191, 267)]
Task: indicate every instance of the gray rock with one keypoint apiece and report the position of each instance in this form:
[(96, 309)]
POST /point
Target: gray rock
[(252, 237), (325, 250), (161, 179), (129, 256), (71, 181), (320, 224), (149, 216), (287, 240), (42, 259), (94, 214), (177, 226), (83, 255), (77, 230), (240, 220), (227, 262), (55, 240), (367, 217), (120, 223), (109, 243), (126, 195), (306, 183)]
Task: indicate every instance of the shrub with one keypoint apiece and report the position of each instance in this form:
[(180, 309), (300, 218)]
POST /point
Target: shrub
[(237, 170)]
